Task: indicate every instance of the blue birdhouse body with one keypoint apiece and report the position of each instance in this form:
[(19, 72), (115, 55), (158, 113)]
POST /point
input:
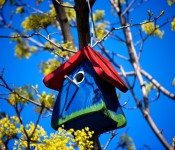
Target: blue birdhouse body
[(85, 99)]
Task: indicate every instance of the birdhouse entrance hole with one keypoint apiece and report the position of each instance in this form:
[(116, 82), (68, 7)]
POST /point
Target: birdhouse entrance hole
[(79, 77)]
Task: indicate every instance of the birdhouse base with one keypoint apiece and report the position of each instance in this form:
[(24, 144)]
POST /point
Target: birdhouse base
[(98, 118)]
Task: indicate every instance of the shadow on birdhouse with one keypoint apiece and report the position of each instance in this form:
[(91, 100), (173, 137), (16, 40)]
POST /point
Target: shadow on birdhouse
[(87, 97)]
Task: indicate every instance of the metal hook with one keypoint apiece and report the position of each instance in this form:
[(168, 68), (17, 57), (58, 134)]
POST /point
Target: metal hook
[(70, 80)]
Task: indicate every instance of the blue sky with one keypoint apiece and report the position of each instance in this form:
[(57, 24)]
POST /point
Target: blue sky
[(157, 59)]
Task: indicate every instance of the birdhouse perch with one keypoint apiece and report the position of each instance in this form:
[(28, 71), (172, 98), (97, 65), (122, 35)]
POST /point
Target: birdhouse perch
[(87, 97)]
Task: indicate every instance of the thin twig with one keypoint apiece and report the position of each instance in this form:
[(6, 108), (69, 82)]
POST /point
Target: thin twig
[(138, 4), (157, 96), (5, 85), (129, 6), (93, 24), (129, 85), (126, 26), (29, 36), (36, 124), (58, 46), (131, 73), (113, 134)]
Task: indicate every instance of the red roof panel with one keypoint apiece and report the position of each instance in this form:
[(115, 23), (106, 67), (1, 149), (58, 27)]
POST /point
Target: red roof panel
[(100, 64)]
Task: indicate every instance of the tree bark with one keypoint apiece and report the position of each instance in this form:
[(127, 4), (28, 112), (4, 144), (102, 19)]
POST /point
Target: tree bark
[(63, 21), (82, 14)]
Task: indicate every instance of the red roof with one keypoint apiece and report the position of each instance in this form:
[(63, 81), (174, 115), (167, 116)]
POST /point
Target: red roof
[(100, 64)]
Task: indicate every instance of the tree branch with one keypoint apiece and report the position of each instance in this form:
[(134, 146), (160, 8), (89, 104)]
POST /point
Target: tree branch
[(136, 66), (82, 17), (126, 27), (63, 21), (129, 6), (154, 128), (158, 85), (113, 134), (5, 85)]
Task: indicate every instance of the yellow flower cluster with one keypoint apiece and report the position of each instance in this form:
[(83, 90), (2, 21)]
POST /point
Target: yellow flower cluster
[(67, 140), (39, 21), (29, 133), (98, 15), (173, 25), (46, 99), (8, 128), (35, 137), (82, 138), (101, 30), (150, 29), (24, 91), (70, 13), (49, 66), (171, 2), (61, 140)]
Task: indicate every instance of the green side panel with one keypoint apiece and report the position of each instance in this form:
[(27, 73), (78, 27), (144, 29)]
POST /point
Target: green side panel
[(119, 118), (92, 109)]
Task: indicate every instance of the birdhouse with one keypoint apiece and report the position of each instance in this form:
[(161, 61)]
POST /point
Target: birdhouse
[(87, 96)]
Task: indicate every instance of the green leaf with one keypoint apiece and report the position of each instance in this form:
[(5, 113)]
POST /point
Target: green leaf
[(39, 21), (126, 142), (49, 66), (173, 82), (101, 30), (25, 91), (20, 10), (173, 25), (149, 87), (98, 15), (2, 2), (149, 13), (70, 13), (150, 29), (171, 2)]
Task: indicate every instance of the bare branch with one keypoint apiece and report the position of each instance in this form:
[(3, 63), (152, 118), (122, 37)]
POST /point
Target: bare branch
[(36, 124), (132, 73), (157, 96), (138, 4), (129, 6), (137, 69), (132, 52), (157, 132), (129, 86), (173, 143), (158, 85), (5, 85), (48, 39), (125, 27), (63, 22), (93, 24), (58, 46)]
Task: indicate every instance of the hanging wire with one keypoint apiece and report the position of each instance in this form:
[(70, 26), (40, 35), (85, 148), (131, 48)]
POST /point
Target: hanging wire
[(93, 24)]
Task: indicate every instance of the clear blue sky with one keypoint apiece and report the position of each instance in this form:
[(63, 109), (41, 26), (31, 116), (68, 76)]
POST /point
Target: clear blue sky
[(157, 59)]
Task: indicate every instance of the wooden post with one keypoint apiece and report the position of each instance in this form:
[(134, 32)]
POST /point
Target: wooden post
[(82, 14)]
